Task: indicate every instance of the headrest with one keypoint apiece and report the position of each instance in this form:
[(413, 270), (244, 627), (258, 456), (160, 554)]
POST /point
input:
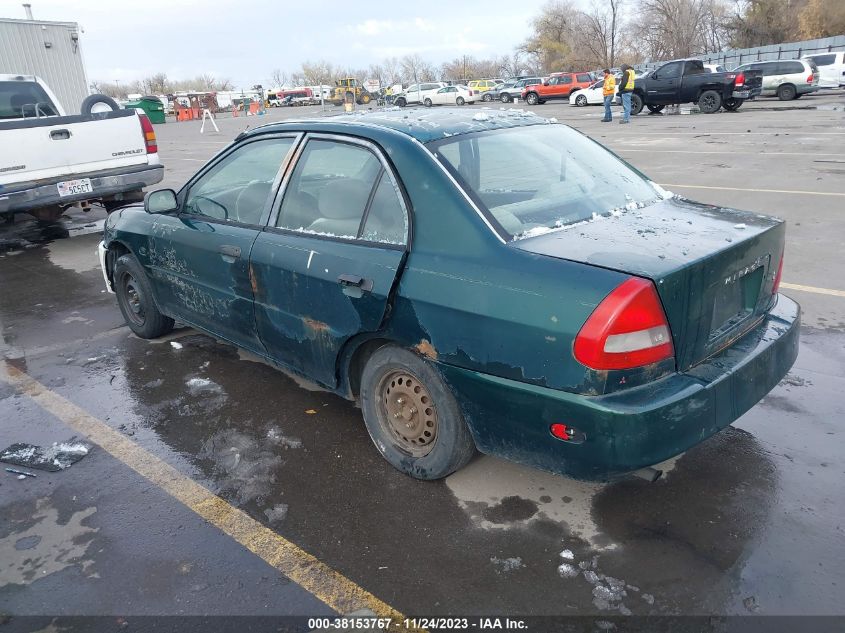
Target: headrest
[(343, 199)]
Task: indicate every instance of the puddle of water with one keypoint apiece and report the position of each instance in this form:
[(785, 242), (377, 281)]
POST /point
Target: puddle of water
[(67, 254), (500, 495), (46, 547)]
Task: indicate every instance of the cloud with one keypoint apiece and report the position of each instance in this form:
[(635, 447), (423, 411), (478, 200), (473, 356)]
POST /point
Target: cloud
[(374, 27)]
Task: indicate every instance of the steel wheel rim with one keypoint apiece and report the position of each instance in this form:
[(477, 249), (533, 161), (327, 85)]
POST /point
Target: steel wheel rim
[(407, 413), (133, 299)]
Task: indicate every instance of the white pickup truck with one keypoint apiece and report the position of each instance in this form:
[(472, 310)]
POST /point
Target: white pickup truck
[(50, 161)]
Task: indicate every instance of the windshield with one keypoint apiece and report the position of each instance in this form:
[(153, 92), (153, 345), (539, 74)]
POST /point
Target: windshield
[(20, 99), (539, 178)]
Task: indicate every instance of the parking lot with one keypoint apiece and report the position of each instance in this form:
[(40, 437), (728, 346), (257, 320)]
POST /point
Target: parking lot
[(218, 485)]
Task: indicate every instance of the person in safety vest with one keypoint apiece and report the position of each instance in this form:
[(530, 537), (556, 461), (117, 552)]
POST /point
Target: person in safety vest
[(608, 89), (626, 88)]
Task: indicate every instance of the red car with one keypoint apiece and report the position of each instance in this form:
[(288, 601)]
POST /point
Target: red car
[(557, 86)]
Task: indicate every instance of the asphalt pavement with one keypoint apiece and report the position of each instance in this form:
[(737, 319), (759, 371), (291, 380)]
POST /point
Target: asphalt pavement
[(211, 472)]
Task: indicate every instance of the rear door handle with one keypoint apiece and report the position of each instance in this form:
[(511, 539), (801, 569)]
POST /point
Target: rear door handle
[(229, 251), (355, 281), (60, 135)]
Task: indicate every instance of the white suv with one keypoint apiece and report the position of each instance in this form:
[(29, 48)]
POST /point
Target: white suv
[(831, 68), (417, 93), (786, 78)]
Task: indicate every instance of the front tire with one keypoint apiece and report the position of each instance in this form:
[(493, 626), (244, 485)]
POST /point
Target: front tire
[(412, 416), (636, 104), (135, 299), (487, 97), (460, 101), (709, 102), (427, 103), (401, 102), (505, 97), (532, 99), (581, 100)]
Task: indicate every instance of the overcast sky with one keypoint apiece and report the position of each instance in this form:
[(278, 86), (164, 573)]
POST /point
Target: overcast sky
[(245, 40)]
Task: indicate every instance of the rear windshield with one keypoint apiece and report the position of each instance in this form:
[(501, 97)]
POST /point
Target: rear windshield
[(538, 178), (823, 60), (20, 99)]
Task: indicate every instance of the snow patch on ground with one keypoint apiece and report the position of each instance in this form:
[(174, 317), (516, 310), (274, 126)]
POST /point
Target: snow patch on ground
[(504, 565)]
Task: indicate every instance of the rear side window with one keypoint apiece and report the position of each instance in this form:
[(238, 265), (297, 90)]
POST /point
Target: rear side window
[(824, 60), (584, 77), (790, 68), (341, 190), (21, 99)]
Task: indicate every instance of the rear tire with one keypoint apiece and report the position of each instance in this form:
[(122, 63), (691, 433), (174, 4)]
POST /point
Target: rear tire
[(732, 105), (709, 102), (655, 108), (412, 416), (135, 299), (786, 92), (636, 104)]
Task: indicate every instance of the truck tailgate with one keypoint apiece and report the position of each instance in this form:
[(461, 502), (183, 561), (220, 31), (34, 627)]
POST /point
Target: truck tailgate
[(51, 147)]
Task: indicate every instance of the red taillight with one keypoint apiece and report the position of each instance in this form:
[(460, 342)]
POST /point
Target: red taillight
[(740, 79), (810, 78), (776, 284), (627, 329), (149, 134)]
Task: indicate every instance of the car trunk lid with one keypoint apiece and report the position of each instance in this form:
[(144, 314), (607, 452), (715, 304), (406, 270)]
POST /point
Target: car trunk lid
[(713, 267)]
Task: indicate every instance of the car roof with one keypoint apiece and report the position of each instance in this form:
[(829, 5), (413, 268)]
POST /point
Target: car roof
[(422, 124)]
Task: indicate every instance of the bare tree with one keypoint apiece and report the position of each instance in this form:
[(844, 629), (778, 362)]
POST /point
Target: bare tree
[(599, 35), (319, 72), (554, 29), (280, 78), (668, 29), (415, 68), (392, 70)]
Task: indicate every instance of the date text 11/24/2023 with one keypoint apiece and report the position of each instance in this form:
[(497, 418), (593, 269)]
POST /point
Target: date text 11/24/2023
[(415, 624)]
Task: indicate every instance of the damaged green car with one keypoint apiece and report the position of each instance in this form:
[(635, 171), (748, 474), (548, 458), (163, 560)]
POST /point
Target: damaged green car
[(478, 280)]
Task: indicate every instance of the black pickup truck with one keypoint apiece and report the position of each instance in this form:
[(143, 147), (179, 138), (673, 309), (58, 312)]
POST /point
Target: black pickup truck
[(689, 81)]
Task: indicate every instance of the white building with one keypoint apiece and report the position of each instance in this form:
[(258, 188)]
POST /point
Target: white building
[(50, 50)]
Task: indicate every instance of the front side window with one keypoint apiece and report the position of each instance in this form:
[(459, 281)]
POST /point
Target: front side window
[(561, 178), (237, 188), (341, 190), (583, 78), (670, 71)]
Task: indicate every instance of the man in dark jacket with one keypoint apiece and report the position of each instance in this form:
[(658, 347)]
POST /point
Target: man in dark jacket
[(626, 88)]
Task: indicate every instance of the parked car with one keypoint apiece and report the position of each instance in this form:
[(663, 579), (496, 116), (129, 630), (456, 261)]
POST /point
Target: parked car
[(506, 94), (413, 265), (50, 161), (416, 93), (786, 79), (591, 95), (687, 81), (482, 85), (831, 68), (715, 68), (451, 95), (558, 86)]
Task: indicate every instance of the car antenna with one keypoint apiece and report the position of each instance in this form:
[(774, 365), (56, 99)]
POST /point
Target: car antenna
[(242, 134)]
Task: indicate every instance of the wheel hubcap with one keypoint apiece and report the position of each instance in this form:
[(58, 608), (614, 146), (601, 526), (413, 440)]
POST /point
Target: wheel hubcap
[(134, 299), (408, 413)]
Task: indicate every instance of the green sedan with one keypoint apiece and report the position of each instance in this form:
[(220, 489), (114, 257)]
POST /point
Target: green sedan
[(476, 280)]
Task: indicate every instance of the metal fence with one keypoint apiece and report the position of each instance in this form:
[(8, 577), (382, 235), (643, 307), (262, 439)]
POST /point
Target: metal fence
[(730, 59)]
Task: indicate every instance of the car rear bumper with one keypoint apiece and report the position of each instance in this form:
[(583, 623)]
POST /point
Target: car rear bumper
[(636, 427), (107, 183)]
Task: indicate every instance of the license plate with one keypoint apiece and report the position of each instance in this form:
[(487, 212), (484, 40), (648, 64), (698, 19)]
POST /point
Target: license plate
[(741, 94), (75, 187)]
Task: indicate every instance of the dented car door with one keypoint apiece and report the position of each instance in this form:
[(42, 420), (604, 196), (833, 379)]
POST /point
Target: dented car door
[(325, 267)]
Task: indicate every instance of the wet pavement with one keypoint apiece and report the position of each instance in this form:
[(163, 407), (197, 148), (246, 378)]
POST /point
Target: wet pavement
[(749, 522)]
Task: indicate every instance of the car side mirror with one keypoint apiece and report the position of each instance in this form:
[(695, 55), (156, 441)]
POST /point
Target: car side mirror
[(161, 201)]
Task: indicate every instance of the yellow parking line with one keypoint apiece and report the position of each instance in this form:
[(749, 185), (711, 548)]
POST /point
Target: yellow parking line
[(818, 291), (328, 585), (803, 193)]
